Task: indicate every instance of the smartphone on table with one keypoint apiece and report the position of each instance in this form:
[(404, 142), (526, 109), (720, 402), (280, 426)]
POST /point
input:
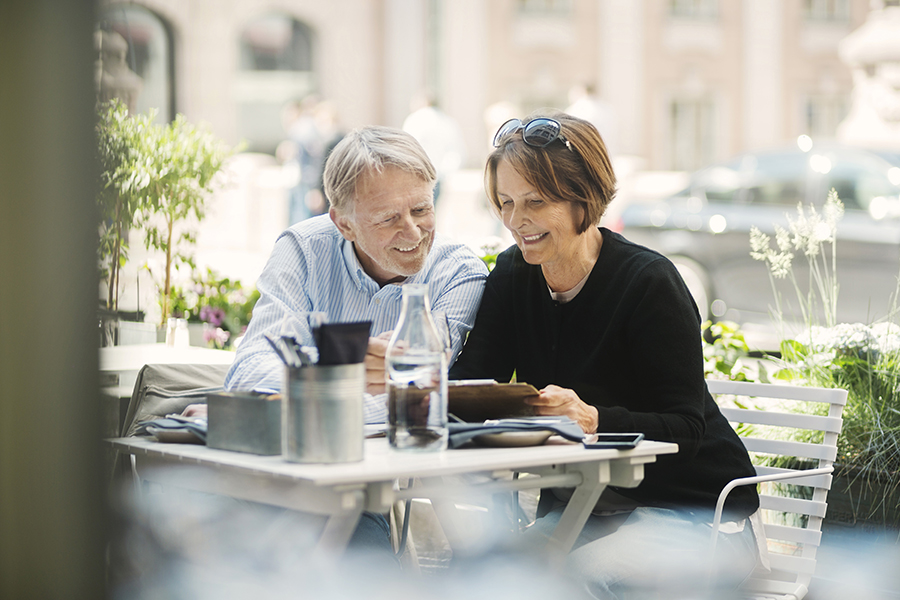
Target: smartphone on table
[(617, 441)]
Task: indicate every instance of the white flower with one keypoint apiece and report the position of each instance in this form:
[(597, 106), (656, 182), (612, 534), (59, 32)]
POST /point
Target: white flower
[(834, 208), (888, 336), (759, 242), (780, 264), (810, 230), (782, 238), (852, 336), (816, 338), (842, 337)]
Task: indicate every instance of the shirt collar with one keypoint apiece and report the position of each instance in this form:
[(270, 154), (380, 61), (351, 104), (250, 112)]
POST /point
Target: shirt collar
[(354, 267), (361, 278)]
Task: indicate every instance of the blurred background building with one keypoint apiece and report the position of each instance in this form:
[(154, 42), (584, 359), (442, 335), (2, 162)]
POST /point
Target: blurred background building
[(688, 81), (672, 84)]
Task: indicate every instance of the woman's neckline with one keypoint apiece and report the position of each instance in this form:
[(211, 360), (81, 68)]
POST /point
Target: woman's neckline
[(567, 282)]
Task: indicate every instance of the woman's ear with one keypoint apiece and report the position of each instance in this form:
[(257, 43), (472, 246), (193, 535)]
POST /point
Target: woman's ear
[(579, 216)]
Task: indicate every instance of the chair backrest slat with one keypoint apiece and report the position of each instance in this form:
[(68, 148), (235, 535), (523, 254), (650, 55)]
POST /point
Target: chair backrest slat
[(778, 391), (819, 481), (798, 535), (785, 448), (792, 505), (795, 421)]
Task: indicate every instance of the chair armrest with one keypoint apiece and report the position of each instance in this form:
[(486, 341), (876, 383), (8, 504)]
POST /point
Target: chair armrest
[(720, 503)]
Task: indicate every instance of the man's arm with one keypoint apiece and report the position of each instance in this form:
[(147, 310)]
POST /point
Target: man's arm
[(456, 292), (280, 310)]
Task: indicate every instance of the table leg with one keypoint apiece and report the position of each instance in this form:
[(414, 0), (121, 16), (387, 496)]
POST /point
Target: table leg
[(595, 478), (448, 516), (339, 529)]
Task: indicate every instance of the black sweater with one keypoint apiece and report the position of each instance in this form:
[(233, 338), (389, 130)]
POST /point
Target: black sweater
[(628, 344)]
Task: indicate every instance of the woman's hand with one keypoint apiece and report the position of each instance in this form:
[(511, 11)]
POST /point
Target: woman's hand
[(555, 400)]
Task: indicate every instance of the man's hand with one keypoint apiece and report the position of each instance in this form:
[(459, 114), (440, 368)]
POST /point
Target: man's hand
[(194, 410), (555, 400), (375, 373)]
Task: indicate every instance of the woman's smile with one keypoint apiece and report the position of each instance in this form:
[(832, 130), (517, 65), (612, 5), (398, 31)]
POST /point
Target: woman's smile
[(530, 239)]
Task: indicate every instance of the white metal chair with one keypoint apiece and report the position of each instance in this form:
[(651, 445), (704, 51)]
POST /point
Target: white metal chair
[(791, 545)]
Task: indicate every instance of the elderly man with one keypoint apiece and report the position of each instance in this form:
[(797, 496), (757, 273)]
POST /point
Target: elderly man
[(350, 264)]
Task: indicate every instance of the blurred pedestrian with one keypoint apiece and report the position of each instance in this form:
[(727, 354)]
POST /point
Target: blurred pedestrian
[(304, 149), (586, 104), (439, 134), (331, 132)]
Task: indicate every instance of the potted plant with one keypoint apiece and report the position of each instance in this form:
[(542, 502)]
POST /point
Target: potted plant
[(863, 359), (220, 306), (173, 184), (156, 179), (120, 147)]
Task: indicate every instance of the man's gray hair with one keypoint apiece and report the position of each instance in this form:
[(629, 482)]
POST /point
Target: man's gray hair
[(370, 149)]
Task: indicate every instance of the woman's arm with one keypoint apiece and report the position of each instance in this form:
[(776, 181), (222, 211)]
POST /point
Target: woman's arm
[(489, 349)]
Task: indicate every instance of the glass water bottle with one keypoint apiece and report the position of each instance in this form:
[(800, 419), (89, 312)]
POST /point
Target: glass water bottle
[(416, 367)]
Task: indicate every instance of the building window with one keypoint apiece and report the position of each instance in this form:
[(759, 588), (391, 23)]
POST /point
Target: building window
[(545, 7), (823, 114), (694, 9), (146, 53), (692, 133), (277, 68), (826, 10), (276, 43)]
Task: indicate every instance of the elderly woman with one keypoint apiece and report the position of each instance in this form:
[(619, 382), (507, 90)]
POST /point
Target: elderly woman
[(609, 333)]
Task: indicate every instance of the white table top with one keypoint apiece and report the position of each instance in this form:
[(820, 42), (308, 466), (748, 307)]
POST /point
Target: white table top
[(122, 358), (124, 362), (383, 464)]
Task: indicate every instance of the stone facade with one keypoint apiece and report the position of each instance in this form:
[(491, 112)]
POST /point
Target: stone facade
[(687, 82)]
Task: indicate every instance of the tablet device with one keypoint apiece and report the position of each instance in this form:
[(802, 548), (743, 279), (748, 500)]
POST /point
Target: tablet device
[(618, 441)]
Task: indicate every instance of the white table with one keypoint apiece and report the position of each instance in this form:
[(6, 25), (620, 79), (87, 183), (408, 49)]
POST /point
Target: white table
[(343, 491), (120, 364)]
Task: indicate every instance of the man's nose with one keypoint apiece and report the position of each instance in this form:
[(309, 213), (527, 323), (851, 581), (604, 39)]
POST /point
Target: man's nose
[(408, 227)]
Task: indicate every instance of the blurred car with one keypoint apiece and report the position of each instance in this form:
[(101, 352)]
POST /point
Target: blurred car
[(705, 229)]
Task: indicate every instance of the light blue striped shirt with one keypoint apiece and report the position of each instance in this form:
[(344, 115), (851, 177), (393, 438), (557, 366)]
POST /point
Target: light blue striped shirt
[(314, 269)]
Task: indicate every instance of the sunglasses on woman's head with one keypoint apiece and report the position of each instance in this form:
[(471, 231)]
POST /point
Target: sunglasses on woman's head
[(538, 132)]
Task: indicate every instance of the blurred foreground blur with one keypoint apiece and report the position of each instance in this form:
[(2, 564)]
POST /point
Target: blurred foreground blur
[(168, 543)]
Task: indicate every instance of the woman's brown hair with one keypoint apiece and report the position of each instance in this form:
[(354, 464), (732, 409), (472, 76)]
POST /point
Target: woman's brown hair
[(577, 170)]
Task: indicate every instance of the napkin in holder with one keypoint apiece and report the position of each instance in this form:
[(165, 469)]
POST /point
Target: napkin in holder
[(342, 343)]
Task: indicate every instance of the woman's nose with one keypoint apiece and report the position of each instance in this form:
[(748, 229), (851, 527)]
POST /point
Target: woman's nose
[(515, 217)]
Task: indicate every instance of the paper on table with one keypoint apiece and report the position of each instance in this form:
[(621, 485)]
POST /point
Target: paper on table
[(477, 401)]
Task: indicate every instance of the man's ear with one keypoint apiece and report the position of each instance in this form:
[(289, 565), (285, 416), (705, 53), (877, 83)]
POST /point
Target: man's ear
[(344, 223)]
